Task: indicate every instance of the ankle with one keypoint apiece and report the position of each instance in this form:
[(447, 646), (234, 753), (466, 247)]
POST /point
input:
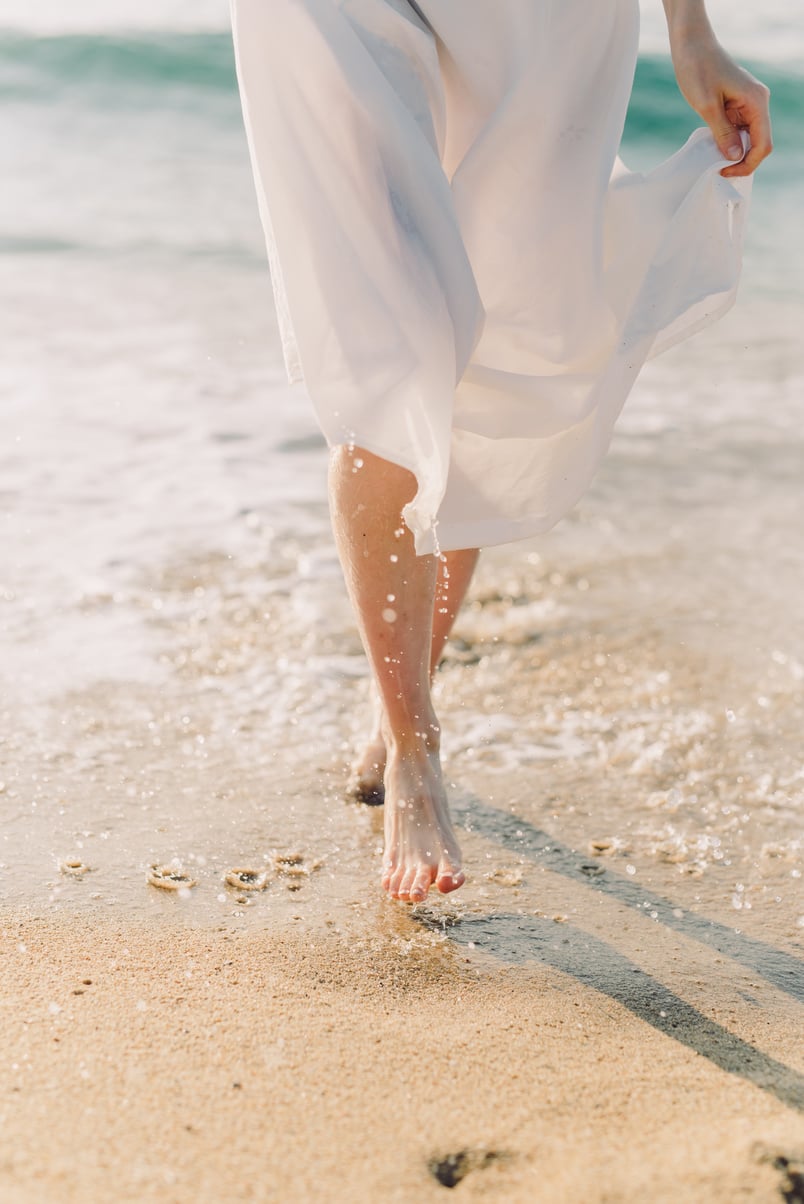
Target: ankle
[(421, 740)]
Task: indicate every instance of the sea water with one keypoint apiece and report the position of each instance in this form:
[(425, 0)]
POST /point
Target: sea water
[(181, 681)]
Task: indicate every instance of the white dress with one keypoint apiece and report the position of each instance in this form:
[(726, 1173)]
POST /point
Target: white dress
[(467, 278)]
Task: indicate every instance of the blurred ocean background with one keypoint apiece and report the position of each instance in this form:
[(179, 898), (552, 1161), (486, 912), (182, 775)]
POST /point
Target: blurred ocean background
[(162, 488)]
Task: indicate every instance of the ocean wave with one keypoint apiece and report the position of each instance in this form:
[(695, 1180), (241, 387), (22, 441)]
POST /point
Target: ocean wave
[(134, 71), (206, 60), (121, 66), (658, 112)]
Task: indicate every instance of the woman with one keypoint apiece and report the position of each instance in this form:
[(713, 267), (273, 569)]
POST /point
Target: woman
[(468, 281)]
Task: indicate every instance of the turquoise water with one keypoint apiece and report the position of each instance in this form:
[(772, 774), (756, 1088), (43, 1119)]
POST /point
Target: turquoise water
[(136, 289), (71, 100), (129, 236)]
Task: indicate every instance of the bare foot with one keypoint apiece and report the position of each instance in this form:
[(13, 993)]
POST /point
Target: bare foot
[(420, 845), (366, 778), (368, 768)]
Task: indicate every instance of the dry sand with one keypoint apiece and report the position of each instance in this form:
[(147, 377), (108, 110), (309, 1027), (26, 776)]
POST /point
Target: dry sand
[(614, 1061)]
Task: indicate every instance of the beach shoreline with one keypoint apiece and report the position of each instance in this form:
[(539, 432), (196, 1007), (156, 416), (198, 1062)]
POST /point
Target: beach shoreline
[(609, 1010)]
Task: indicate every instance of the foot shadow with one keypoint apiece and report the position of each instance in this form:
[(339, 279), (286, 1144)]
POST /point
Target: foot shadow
[(517, 939), (781, 969)]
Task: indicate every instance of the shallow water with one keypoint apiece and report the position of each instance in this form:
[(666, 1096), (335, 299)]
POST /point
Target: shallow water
[(625, 727), (181, 681)]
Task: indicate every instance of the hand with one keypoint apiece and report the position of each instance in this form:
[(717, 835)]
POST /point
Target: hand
[(728, 98)]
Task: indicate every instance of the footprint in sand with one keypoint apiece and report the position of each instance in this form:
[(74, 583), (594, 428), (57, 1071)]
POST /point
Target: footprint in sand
[(73, 867), (247, 880), (604, 846), (291, 868), (450, 1170), (294, 868), (169, 877), (791, 1167), (792, 1185), (591, 870)]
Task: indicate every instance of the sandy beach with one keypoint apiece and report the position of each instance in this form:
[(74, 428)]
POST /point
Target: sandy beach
[(610, 1009), (171, 1062)]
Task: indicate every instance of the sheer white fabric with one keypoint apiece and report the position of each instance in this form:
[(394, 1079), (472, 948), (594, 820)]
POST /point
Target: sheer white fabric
[(467, 278)]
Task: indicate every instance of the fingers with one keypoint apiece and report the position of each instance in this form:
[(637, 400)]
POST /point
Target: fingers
[(729, 99), (726, 135), (754, 117), (761, 147)]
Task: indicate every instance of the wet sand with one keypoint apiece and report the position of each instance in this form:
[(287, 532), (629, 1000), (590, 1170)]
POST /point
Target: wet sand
[(610, 1010)]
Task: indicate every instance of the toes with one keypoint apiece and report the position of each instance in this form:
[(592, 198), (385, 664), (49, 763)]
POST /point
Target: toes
[(404, 889), (421, 884), (395, 882), (389, 868), (449, 880)]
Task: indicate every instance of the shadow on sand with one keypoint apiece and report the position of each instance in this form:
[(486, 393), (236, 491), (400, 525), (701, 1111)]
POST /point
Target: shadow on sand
[(782, 970), (518, 939)]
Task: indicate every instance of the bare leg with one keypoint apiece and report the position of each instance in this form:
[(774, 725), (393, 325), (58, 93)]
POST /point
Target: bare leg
[(393, 592), (454, 574)]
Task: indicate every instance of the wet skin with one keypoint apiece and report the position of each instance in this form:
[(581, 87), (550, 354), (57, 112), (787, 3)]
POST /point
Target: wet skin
[(405, 605)]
